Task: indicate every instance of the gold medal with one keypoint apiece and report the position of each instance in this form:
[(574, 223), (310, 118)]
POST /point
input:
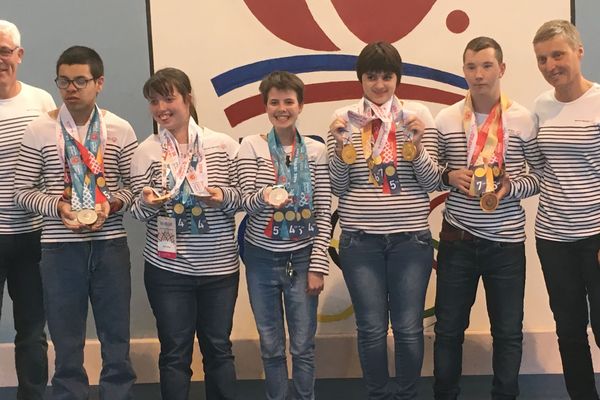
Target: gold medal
[(278, 216), (488, 202), (480, 172), (178, 208), (100, 181), (306, 213), (278, 195), (87, 217), (349, 154), (196, 211), (409, 151), (390, 170), (377, 159), (290, 215)]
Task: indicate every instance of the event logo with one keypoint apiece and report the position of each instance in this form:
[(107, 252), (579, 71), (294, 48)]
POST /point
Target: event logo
[(293, 22)]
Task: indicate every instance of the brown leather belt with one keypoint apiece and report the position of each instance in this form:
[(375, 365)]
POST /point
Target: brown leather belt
[(452, 233)]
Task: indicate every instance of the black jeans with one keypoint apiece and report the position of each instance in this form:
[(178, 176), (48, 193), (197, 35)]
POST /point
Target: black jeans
[(572, 276), (19, 268), (501, 266)]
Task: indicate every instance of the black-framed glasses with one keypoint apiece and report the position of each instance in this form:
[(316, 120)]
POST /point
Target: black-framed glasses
[(80, 82), (6, 52)]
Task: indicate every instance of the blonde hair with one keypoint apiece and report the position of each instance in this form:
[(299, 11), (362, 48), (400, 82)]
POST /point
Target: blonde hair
[(558, 27)]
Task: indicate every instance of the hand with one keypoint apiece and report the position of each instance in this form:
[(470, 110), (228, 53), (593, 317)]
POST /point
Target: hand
[(279, 206), (69, 217), (102, 211), (216, 197), (150, 198), (461, 179), (417, 127), (504, 187), (337, 129), (314, 283), (115, 205), (599, 258)]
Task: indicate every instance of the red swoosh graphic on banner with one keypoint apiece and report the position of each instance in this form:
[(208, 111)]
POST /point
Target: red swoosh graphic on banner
[(291, 21), (383, 20), (332, 91)]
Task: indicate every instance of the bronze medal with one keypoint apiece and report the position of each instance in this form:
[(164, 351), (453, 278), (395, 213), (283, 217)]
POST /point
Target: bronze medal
[(290, 215), (489, 202), (348, 154), (87, 216), (101, 182), (196, 211), (178, 208), (390, 170), (409, 151), (278, 216), (306, 213)]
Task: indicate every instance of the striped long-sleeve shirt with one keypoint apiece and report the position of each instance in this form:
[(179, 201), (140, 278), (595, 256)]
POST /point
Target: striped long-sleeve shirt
[(364, 207), (507, 222), (256, 173), (569, 138), (15, 114), (211, 253), (39, 177)]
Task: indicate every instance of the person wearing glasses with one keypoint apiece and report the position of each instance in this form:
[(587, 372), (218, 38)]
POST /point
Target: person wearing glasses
[(184, 184), (73, 168), (285, 191), (20, 230)]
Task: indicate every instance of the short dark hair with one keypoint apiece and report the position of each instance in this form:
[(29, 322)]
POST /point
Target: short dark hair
[(163, 81), (482, 43), (379, 57), (281, 80), (82, 55)]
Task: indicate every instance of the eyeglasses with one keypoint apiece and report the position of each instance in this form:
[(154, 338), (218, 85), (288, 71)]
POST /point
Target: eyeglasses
[(6, 52), (80, 82)]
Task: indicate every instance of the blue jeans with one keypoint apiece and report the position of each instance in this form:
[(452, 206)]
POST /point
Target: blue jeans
[(273, 284), (185, 306), (19, 268), (72, 273), (387, 277), (572, 277), (501, 265)]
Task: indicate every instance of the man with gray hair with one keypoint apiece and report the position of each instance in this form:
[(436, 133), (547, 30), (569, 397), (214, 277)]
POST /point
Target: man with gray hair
[(19, 229), (567, 227)]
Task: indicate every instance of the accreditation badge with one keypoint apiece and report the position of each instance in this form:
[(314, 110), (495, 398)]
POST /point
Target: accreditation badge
[(167, 237)]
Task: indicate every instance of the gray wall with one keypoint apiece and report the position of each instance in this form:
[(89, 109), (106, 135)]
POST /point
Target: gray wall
[(117, 30)]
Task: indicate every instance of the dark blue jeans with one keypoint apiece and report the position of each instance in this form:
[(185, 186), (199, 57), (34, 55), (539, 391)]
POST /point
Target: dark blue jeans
[(186, 306), (387, 277), (72, 274), (572, 276), (19, 268), (271, 285), (460, 265)]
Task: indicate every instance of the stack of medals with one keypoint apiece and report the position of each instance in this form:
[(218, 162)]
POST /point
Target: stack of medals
[(380, 147), (296, 221), (485, 152), (186, 176), (85, 185)]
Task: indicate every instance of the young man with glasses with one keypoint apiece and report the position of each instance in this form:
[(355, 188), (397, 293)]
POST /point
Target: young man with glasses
[(73, 169), (19, 229)]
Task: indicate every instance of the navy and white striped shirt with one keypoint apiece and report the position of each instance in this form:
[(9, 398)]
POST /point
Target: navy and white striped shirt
[(39, 177), (211, 253), (569, 138), (256, 173), (364, 207), (15, 114), (507, 222)]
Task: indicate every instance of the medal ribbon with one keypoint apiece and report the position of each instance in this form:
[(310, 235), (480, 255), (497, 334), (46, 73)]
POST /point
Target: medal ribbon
[(83, 164), (297, 181)]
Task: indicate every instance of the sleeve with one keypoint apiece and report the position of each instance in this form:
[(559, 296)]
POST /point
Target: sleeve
[(28, 181), (427, 170), (339, 171), (319, 259), (142, 172), (124, 193), (247, 170), (232, 195), (528, 184)]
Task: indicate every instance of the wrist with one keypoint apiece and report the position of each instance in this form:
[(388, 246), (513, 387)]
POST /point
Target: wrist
[(446, 176)]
